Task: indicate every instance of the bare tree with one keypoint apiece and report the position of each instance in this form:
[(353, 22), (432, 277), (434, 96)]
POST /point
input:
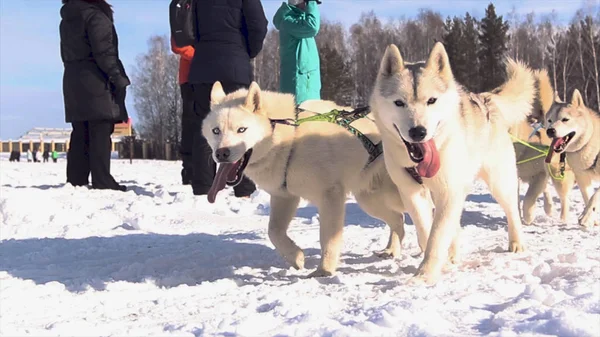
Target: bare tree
[(157, 98), (267, 62), (591, 35)]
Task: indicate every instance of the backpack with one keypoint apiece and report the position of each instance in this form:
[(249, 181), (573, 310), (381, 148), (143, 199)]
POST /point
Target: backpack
[(182, 21)]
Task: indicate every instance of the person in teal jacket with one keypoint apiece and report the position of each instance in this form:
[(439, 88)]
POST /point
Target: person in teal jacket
[(298, 22)]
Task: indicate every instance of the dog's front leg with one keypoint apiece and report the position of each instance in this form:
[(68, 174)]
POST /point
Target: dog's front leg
[(446, 223), (586, 186), (589, 217), (283, 209), (331, 213), (564, 188), (537, 185), (420, 209), (394, 245)]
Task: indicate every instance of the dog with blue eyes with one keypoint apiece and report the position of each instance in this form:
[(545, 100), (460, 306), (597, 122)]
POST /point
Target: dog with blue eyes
[(319, 151)]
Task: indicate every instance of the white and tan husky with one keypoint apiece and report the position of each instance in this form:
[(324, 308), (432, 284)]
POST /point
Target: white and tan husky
[(254, 132), (575, 131), (429, 124), (531, 165)]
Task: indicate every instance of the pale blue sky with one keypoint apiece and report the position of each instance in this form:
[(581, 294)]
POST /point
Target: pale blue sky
[(31, 69)]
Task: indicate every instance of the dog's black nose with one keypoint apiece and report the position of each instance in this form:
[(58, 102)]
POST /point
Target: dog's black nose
[(551, 132), (222, 153), (417, 133)]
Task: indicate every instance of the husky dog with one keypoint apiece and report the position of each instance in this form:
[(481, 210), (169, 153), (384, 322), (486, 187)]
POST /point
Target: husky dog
[(530, 162), (256, 133), (575, 133), (435, 132)]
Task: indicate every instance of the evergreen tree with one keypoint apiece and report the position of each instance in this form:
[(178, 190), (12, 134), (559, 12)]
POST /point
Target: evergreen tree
[(493, 39), (336, 76), (454, 42), (452, 39), (470, 48)]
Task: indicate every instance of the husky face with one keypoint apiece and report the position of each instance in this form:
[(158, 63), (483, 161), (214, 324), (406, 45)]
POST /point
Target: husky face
[(235, 124), (566, 124), (415, 97)]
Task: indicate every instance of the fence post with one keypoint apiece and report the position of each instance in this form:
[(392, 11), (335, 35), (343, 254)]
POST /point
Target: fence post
[(20, 146), (52, 146), (10, 145), (144, 150), (131, 148), (167, 151)]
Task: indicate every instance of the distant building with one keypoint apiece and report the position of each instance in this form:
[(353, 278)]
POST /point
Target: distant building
[(56, 139), (58, 135)]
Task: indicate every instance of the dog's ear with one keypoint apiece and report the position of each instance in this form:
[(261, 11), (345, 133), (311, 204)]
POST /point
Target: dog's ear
[(439, 62), (576, 99), (557, 97), (217, 94), (392, 62), (254, 98)]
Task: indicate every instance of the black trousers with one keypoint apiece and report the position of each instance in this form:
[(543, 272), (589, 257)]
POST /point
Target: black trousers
[(189, 125), (204, 165), (89, 151)]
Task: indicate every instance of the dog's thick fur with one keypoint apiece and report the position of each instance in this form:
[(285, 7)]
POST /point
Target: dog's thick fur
[(583, 148), (536, 173), (471, 135), (318, 161)]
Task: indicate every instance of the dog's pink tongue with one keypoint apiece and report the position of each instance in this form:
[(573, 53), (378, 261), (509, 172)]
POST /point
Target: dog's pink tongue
[(556, 142), (220, 181), (430, 164)]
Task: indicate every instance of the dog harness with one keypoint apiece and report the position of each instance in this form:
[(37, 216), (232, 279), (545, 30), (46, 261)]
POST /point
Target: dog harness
[(543, 150), (340, 117)]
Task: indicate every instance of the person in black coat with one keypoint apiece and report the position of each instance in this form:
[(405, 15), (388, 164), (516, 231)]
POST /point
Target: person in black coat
[(94, 88), (230, 34)]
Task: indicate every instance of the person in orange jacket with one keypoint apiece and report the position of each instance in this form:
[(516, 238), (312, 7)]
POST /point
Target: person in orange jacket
[(188, 120)]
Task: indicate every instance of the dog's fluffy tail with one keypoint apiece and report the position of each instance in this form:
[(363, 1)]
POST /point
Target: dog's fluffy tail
[(545, 90), (513, 100)]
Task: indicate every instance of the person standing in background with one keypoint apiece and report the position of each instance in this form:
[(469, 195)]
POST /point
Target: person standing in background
[(298, 22), (229, 35), (94, 89), (188, 126)]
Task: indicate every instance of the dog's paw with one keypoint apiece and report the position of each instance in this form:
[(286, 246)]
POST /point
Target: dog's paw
[(428, 273), (453, 258), (548, 209), (527, 218), (416, 281), (453, 254), (295, 259), (428, 279), (321, 273), (516, 247), (564, 216), (587, 219), (387, 253)]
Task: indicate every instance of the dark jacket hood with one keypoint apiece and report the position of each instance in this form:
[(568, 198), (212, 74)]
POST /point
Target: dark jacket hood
[(74, 8)]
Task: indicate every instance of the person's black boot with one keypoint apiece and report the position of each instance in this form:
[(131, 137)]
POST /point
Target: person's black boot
[(115, 187), (199, 189), (186, 176)]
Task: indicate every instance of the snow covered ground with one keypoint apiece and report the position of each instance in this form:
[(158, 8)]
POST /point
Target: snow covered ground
[(157, 261)]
